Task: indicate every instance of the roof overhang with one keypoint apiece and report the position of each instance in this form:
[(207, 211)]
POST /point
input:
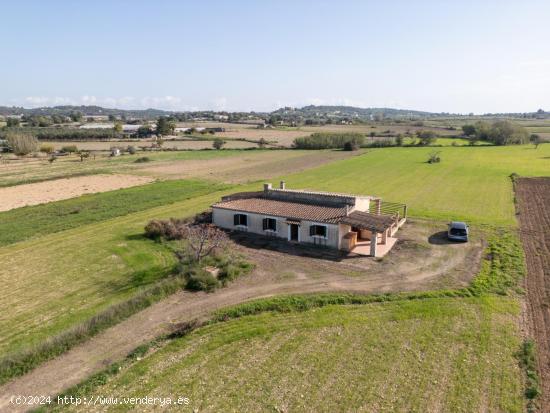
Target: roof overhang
[(368, 221)]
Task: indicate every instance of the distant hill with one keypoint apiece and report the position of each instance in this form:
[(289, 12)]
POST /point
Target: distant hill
[(352, 112), (85, 110), (286, 114)]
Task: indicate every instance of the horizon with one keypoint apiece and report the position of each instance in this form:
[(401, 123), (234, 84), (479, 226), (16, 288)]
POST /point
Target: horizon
[(243, 57)]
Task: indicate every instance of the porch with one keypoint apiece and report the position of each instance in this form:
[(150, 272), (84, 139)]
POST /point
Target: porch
[(370, 234)]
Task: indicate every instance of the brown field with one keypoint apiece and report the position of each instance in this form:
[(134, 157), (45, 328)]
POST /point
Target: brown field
[(178, 144), (534, 216), (246, 167), (49, 191)]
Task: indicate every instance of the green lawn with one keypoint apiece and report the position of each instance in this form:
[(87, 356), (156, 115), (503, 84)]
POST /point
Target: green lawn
[(454, 355), (56, 281), (470, 183), (33, 221)]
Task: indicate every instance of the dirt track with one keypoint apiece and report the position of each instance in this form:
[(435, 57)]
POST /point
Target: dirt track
[(533, 195), (414, 264)]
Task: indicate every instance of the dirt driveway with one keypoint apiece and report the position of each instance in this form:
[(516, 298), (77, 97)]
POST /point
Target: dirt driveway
[(533, 196), (422, 259)]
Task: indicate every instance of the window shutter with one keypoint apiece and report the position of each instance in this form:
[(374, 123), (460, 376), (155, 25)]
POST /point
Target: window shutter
[(264, 221), (236, 219), (312, 230)]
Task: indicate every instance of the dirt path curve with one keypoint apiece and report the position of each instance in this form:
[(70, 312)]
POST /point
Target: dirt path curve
[(533, 196), (115, 343), (276, 273)]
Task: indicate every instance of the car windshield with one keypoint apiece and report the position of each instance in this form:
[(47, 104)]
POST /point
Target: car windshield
[(458, 231)]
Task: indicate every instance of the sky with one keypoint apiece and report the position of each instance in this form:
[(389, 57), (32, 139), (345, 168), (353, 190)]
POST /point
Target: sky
[(440, 56)]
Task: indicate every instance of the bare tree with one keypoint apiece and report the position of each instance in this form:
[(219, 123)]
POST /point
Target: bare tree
[(203, 240)]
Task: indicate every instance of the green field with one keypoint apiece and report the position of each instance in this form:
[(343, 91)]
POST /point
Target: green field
[(75, 258), (67, 277), (454, 355), (33, 221), (470, 183)]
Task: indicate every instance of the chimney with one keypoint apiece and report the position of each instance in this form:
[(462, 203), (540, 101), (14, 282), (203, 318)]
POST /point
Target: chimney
[(267, 187), (282, 185)]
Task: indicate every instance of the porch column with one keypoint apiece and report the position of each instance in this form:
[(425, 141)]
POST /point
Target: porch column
[(385, 236), (373, 242), (378, 204)]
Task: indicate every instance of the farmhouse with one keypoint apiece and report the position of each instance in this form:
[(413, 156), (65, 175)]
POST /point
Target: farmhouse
[(362, 224)]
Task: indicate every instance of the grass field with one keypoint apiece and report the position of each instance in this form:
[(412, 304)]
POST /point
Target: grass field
[(67, 277), (470, 183), (431, 355), (24, 223)]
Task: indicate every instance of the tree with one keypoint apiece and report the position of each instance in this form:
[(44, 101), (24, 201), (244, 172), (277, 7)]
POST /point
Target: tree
[(13, 122), (84, 155), (504, 132), (427, 137), (22, 144), (218, 143), (202, 241), (144, 131), (469, 130), (118, 127), (483, 130), (76, 116), (112, 118), (535, 140), (164, 126), (399, 140), (262, 143)]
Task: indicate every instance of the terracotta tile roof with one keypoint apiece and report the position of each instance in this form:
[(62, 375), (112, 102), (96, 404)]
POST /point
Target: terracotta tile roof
[(285, 209), (365, 220)]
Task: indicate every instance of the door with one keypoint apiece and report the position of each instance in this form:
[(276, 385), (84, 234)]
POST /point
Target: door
[(293, 232)]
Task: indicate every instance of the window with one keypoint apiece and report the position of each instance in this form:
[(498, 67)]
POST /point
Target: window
[(318, 231), (240, 219), (270, 224)]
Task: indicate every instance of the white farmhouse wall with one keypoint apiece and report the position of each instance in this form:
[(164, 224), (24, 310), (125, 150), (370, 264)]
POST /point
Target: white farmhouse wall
[(224, 219)]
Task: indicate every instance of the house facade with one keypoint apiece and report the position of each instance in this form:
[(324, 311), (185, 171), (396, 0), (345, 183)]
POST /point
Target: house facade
[(362, 224)]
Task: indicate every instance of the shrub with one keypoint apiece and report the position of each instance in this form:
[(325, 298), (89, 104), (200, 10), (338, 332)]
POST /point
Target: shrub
[(218, 143), (22, 144), (351, 146), (399, 140), (427, 137), (199, 279), (434, 157), (131, 150), (69, 149), (46, 148), (170, 229), (143, 159)]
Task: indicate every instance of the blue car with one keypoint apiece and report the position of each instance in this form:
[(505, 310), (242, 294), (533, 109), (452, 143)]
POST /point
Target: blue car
[(458, 231)]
